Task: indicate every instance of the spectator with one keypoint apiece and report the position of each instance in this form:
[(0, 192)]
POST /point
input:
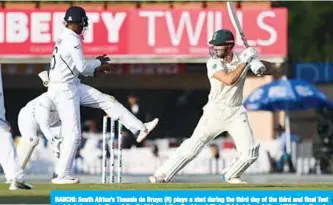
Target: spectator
[(133, 105), (280, 130), (133, 102), (155, 150), (215, 151), (90, 150)]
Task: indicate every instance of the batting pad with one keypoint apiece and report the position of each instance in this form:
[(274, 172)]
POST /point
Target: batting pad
[(187, 151), (25, 149), (243, 163)]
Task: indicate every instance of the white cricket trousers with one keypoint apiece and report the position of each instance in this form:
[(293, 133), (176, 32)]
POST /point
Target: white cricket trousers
[(214, 121), (8, 156), (67, 99), (27, 125)]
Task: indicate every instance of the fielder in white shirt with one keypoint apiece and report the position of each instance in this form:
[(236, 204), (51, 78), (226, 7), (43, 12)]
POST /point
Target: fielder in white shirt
[(224, 111), (67, 93), (8, 156), (39, 117)]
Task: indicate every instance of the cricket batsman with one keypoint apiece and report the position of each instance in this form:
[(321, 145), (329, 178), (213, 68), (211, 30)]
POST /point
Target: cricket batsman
[(224, 111), (68, 93), (8, 156), (38, 117)]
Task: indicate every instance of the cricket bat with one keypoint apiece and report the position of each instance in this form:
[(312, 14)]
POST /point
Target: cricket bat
[(235, 22)]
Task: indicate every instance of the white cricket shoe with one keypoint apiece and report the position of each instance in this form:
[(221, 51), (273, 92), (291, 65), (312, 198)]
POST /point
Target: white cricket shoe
[(8, 181), (156, 179), (65, 180), (236, 180), (16, 184), (144, 133)]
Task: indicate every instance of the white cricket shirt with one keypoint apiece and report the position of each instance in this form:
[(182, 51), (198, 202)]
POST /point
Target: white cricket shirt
[(68, 61), (44, 112), (221, 94)]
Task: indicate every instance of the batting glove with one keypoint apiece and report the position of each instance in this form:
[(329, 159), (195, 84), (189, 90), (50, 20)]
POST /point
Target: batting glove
[(257, 67), (247, 55)]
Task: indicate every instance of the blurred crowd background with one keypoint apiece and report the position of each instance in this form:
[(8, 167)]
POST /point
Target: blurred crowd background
[(167, 79)]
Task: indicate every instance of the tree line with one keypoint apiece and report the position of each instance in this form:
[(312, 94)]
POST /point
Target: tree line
[(310, 30)]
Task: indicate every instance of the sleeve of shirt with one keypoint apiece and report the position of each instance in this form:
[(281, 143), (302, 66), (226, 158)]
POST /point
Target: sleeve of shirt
[(42, 116), (85, 67), (212, 67), (93, 64)]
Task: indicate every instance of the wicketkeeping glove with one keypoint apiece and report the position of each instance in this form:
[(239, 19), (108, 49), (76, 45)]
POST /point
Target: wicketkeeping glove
[(104, 59), (55, 145)]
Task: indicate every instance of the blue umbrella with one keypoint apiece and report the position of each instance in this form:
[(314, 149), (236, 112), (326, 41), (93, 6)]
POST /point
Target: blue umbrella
[(286, 95)]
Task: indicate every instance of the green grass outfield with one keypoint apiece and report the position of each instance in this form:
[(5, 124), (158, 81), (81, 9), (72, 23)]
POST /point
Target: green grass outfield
[(40, 193)]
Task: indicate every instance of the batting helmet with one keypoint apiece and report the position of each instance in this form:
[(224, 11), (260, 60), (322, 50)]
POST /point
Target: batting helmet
[(221, 37)]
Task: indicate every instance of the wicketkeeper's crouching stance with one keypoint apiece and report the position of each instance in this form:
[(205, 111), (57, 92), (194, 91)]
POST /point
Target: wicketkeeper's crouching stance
[(38, 117), (224, 111)]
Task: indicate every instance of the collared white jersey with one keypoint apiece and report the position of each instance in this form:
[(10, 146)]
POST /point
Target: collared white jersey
[(68, 61), (220, 93), (43, 110)]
